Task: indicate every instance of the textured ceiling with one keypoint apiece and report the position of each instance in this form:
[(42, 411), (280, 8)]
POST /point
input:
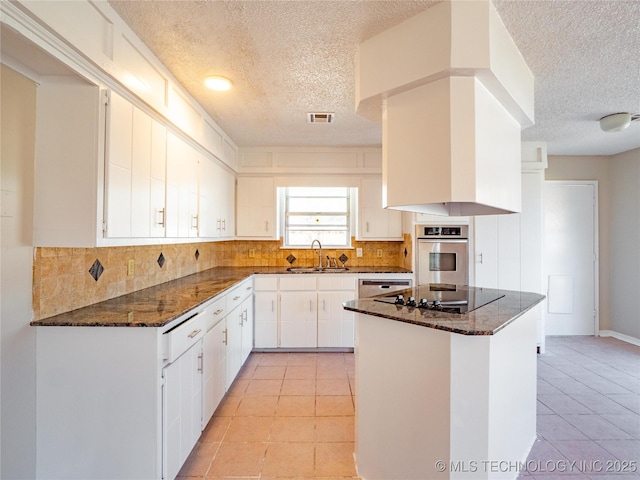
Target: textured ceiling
[(287, 58)]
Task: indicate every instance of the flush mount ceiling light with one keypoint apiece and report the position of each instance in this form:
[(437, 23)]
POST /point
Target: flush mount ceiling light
[(217, 83), (617, 122)]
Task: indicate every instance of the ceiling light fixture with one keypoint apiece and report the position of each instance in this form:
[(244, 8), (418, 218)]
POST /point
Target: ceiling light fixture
[(617, 122), (217, 83)]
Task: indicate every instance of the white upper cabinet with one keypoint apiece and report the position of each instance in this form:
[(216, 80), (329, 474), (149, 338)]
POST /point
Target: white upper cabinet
[(119, 166), (136, 172), (69, 153), (217, 192), (375, 222), (158, 180), (182, 189), (256, 212)]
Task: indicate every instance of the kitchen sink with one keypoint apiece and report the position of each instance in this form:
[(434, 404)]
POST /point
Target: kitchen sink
[(316, 269)]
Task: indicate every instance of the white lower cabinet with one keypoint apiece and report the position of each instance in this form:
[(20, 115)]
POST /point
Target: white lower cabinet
[(234, 345), (214, 370), (182, 408), (298, 319), (304, 311), (246, 310), (239, 328), (131, 402), (266, 319)]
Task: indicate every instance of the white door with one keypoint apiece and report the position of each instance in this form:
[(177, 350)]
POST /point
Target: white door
[(570, 257)]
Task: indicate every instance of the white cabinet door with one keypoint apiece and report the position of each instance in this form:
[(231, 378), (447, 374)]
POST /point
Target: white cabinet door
[(247, 327), (182, 408), (377, 223), (266, 319), (256, 213), (335, 324), (298, 319), (182, 188), (119, 167), (141, 174), (158, 179), (234, 345), (209, 207), (485, 235), (228, 214), (213, 370)]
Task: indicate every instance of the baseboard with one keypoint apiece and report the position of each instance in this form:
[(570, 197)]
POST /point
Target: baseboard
[(620, 336)]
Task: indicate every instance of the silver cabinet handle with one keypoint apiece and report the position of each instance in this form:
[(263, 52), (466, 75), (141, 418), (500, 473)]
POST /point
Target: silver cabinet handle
[(194, 221), (241, 318), (367, 227), (200, 362), (161, 214), (236, 298), (225, 341), (224, 224), (266, 226), (218, 224), (481, 259), (194, 333), (218, 312)]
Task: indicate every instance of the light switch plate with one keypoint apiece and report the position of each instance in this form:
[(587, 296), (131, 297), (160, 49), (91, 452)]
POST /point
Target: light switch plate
[(379, 253), (359, 252), (130, 267)]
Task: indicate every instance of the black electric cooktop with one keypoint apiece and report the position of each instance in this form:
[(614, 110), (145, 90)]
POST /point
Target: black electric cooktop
[(442, 297)]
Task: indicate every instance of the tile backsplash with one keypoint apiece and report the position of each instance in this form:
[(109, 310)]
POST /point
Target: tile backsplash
[(64, 278)]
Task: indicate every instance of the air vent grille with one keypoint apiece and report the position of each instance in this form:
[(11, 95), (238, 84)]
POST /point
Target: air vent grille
[(323, 117)]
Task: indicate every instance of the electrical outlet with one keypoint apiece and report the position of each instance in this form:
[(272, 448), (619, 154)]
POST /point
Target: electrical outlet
[(379, 253), (359, 252), (252, 252), (130, 267)]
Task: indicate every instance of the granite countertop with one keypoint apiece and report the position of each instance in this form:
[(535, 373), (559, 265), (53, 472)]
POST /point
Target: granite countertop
[(159, 305), (486, 320)]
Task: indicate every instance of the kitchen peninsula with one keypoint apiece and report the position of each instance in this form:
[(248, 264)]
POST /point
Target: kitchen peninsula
[(442, 394)]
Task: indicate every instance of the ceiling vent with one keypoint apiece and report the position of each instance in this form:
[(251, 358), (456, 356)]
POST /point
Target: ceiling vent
[(320, 117)]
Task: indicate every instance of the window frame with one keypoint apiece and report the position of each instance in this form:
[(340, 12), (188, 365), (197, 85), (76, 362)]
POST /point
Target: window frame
[(350, 196)]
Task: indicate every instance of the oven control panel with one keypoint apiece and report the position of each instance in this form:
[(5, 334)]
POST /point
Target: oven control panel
[(438, 231)]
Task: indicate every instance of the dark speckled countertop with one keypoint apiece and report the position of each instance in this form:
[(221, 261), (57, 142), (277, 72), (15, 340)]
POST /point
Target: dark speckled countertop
[(159, 305), (486, 320)]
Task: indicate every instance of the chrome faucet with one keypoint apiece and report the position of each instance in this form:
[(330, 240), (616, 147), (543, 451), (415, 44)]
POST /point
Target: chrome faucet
[(319, 253)]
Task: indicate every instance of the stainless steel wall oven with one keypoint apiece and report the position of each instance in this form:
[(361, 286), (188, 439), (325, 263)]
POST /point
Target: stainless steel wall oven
[(442, 254)]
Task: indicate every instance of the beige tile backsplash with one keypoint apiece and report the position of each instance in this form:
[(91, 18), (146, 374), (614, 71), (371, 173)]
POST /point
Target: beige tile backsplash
[(62, 282)]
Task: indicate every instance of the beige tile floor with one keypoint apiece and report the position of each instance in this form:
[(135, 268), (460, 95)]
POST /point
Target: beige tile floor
[(287, 415)]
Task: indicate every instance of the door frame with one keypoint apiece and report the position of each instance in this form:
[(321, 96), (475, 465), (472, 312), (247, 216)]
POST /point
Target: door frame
[(596, 245)]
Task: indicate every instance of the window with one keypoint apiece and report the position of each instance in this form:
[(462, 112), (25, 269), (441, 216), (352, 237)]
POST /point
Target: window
[(317, 213)]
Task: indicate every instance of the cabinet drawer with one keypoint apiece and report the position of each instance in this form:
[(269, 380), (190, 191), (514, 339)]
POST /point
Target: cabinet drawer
[(298, 282), (178, 340), (341, 281), (236, 296), (215, 312), (265, 284)]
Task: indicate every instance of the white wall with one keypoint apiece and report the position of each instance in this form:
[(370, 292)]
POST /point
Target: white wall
[(625, 243), (17, 338)]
